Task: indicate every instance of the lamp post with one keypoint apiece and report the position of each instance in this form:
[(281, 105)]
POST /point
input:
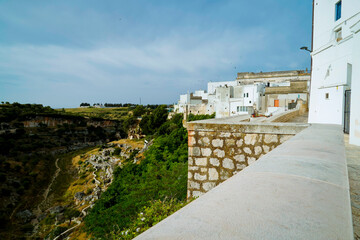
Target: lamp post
[(307, 49)]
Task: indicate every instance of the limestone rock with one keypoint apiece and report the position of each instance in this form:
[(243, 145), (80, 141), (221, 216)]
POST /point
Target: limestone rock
[(206, 152), (270, 138), (201, 161), (240, 158), (219, 153), (214, 162), (208, 186), (250, 139), (79, 196), (199, 177), (247, 150), (239, 143), (218, 142), (228, 163), (213, 174), (194, 185)]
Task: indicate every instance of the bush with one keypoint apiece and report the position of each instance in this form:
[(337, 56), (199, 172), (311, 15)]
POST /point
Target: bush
[(149, 216)]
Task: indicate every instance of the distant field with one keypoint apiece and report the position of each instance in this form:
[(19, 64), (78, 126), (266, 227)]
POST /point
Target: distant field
[(107, 113)]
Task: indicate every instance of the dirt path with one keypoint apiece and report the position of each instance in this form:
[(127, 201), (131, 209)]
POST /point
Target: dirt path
[(46, 193)]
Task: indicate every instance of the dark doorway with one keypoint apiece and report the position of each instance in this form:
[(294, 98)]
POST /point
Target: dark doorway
[(347, 111)]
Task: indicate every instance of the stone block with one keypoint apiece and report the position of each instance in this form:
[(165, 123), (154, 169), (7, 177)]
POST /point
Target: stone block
[(197, 193), (240, 166), (214, 162), (228, 163), (247, 150), (218, 143), (237, 135), (206, 152), (250, 139), (239, 143), (194, 151), (239, 158), (258, 150), (219, 153), (202, 134), (266, 149), (200, 177), (200, 161), (251, 160), (284, 138), (213, 174), (190, 161), (193, 168), (205, 141), (225, 134), (203, 169), (191, 141), (231, 151), (224, 174), (208, 186), (193, 185), (270, 138), (191, 133), (229, 142), (190, 175)]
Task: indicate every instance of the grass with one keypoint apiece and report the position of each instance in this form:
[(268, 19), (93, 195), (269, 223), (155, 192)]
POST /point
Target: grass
[(115, 113), (95, 110)]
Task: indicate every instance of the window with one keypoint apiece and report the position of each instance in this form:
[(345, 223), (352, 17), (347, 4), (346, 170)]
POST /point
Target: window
[(326, 95), (338, 10), (338, 35), (247, 95), (238, 108)]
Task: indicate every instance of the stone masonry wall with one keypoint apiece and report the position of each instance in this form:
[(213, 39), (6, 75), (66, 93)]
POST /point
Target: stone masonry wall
[(217, 152)]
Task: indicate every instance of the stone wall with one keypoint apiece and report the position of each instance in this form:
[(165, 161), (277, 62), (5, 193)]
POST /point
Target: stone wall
[(218, 151)]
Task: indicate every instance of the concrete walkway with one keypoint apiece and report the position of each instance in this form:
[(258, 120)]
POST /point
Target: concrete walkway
[(353, 163)]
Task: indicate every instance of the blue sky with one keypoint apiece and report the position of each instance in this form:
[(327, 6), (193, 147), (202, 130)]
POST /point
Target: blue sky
[(62, 53)]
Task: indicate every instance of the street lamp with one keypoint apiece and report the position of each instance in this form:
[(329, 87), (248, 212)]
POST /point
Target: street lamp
[(305, 48)]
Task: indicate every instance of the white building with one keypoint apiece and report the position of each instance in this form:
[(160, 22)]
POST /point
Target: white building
[(336, 65), (248, 93)]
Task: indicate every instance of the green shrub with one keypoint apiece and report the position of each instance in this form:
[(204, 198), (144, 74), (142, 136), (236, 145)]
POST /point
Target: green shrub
[(149, 216)]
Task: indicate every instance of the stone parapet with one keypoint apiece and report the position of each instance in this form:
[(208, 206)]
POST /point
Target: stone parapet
[(218, 150)]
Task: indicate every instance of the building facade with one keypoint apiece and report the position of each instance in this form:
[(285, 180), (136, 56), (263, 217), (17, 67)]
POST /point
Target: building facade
[(264, 93), (335, 70)]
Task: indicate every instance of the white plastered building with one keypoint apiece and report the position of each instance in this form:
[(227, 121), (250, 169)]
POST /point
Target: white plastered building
[(335, 79)]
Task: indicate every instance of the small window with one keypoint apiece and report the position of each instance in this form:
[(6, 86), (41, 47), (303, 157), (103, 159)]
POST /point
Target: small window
[(247, 95), (238, 108), (338, 35), (326, 95), (249, 101), (244, 95), (338, 10)]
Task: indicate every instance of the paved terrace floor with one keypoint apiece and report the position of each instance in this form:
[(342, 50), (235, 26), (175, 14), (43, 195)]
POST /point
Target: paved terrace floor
[(353, 164)]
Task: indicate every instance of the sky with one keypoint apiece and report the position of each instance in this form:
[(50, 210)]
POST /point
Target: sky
[(61, 53)]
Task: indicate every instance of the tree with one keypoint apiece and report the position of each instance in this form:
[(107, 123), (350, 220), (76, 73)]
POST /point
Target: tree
[(139, 111)]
